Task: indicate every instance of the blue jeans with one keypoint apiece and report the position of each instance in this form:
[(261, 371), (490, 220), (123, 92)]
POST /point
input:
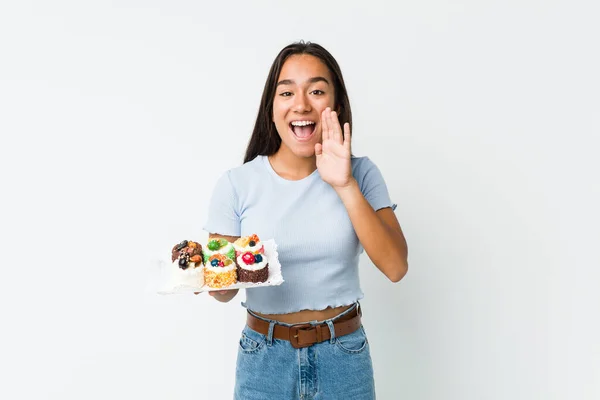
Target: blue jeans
[(271, 369)]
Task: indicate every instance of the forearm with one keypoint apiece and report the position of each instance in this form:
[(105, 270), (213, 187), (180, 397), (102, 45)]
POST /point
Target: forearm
[(385, 244)]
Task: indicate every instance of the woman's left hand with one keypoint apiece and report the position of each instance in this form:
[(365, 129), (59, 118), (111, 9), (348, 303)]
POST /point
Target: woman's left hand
[(333, 154)]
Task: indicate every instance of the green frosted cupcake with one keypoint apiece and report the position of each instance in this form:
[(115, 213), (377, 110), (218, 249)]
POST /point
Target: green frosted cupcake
[(219, 246)]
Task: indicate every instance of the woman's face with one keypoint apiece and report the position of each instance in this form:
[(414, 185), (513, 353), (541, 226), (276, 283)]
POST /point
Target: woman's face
[(304, 89)]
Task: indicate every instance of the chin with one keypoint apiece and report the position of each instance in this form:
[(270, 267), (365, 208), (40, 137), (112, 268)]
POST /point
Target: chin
[(305, 153), (304, 150), (301, 150)]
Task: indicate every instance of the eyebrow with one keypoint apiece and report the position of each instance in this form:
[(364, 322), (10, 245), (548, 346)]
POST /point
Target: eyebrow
[(311, 80)]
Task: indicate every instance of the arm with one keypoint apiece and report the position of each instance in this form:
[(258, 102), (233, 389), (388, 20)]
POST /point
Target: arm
[(379, 232)]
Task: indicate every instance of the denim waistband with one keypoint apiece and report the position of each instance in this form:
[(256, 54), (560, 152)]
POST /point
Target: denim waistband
[(315, 322)]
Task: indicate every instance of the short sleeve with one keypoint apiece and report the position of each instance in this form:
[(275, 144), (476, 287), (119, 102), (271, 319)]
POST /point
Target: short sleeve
[(223, 217), (372, 185)]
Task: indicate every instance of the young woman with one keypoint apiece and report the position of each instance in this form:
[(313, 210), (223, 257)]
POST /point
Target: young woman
[(301, 186)]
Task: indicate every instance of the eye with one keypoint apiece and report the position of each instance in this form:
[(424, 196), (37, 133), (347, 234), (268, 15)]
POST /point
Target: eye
[(318, 92), (285, 94)]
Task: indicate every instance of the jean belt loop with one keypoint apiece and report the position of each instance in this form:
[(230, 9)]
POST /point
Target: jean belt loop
[(270, 334), (331, 330)]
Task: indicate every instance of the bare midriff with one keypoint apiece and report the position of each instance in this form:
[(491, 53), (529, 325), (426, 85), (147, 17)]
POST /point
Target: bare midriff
[(306, 315)]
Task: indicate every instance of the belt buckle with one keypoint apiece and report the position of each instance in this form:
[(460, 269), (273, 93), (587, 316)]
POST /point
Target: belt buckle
[(294, 329)]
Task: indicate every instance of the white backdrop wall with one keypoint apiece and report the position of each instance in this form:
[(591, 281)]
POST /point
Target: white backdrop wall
[(117, 118)]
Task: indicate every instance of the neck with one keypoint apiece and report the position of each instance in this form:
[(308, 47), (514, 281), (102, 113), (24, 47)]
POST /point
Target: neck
[(290, 166)]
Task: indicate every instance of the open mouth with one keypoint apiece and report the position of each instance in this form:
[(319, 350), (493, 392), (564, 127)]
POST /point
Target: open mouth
[(303, 130)]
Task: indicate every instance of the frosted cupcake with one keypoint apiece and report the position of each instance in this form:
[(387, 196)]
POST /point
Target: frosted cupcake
[(220, 271), (250, 243), (187, 264), (252, 267), (218, 246)]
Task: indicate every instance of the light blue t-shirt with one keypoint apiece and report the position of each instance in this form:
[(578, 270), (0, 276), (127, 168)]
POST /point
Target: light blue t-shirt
[(317, 245)]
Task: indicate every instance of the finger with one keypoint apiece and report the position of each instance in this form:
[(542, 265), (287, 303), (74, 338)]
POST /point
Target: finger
[(318, 149), (347, 135), (336, 128), (329, 124), (324, 126)]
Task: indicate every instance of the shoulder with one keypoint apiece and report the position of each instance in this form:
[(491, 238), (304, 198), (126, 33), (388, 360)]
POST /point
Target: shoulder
[(233, 185), (371, 183), (239, 180), (246, 171), (358, 162), (362, 167)]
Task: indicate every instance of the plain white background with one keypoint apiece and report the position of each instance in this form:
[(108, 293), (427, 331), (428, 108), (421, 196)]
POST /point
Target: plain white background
[(117, 117)]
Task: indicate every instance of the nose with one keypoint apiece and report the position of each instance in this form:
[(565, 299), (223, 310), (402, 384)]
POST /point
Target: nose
[(301, 103)]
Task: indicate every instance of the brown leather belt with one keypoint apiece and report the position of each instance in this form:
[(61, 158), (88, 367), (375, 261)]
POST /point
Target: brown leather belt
[(305, 335)]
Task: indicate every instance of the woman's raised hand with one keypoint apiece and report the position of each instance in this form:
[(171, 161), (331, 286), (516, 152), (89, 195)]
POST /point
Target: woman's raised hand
[(333, 154)]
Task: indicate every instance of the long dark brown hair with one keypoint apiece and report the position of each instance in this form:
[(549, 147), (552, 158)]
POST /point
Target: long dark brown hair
[(265, 140)]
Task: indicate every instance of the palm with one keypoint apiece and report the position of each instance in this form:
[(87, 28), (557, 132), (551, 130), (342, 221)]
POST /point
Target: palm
[(333, 155)]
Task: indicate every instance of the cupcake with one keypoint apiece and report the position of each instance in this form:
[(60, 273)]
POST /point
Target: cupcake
[(220, 271), (187, 264), (252, 267), (218, 246), (248, 243)]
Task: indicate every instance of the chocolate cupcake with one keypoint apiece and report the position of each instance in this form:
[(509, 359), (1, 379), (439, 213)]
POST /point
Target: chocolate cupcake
[(187, 252), (252, 267), (187, 264)]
